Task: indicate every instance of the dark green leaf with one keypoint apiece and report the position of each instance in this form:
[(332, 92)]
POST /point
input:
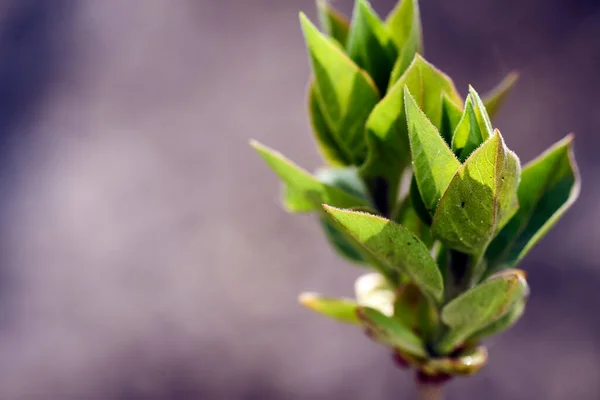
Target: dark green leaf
[(343, 310), (370, 44), (417, 203), (333, 23), (481, 306), (392, 332), (395, 246), (549, 186), (387, 132), (480, 199), (494, 100), (434, 163), (303, 184), (345, 93)]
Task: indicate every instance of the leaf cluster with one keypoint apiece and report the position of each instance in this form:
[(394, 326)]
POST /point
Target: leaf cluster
[(420, 188)]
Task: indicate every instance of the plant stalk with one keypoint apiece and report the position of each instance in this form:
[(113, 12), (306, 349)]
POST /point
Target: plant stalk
[(429, 391)]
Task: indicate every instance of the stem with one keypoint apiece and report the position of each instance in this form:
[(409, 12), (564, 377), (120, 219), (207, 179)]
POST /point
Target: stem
[(429, 391)]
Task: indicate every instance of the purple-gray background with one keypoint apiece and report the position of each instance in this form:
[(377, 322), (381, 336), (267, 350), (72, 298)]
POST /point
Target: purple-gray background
[(144, 251)]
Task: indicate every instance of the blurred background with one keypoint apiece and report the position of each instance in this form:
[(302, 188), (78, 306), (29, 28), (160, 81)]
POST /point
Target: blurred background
[(144, 253)]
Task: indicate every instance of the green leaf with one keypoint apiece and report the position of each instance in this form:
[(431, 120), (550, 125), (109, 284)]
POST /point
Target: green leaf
[(303, 184), (485, 124), (434, 163), (340, 242), (494, 100), (550, 184), (392, 332), (480, 199), (404, 24), (387, 131), (502, 324), (411, 214), (417, 203), (330, 148), (373, 290), (370, 44), (467, 136), (345, 93), (481, 306), (333, 23), (343, 310), (395, 246), (294, 200), (451, 116)]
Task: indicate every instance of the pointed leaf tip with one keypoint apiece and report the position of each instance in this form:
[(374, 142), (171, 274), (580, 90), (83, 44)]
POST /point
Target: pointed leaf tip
[(434, 163), (395, 246), (340, 309)]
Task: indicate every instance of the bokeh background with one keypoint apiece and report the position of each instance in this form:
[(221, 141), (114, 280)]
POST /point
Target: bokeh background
[(144, 253)]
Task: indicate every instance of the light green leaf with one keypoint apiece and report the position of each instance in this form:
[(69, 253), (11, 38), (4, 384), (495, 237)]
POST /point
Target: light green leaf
[(467, 136), (343, 310), (374, 290), (387, 131), (494, 100), (434, 163), (303, 183), (502, 324), (345, 93), (333, 23), (485, 124), (481, 306), (480, 199), (550, 184), (451, 116), (395, 246), (294, 200), (370, 44), (404, 23), (328, 144), (391, 331)]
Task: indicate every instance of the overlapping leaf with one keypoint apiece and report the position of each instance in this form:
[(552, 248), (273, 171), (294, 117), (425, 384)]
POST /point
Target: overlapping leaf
[(303, 184), (467, 136), (330, 147), (345, 93), (370, 44), (481, 306), (480, 199), (549, 186), (404, 24), (387, 132), (333, 23), (434, 164), (395, 246), (391, 331)]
